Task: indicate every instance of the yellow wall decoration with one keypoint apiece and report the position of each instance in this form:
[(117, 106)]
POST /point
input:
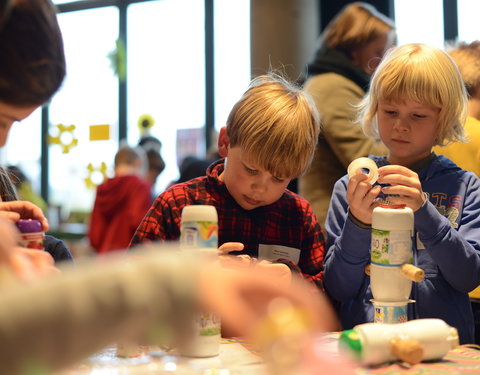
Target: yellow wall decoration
[(100, 132), (145, 123), (91, 170), (59, 140)]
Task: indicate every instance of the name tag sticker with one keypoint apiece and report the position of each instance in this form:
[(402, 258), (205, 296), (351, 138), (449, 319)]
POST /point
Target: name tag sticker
[(275, 252)]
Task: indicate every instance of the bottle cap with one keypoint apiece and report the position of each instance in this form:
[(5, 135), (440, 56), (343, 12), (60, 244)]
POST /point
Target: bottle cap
[(29, 226), (350, 342)]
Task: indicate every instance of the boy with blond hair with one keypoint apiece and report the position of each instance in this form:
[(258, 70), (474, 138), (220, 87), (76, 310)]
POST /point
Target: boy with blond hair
[(269, 140), (416, 100)]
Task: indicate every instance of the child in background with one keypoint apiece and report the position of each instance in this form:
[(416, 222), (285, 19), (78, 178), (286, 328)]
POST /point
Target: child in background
[(269, 139), (55, 247), (121, 202), (416, 100), (467, 155)]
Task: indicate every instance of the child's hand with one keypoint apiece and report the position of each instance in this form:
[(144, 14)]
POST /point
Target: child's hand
[(277, 271), (25, 264), (31, 264), (361, 197), (228, 247), (405, 186), (234, 261), (16, 210)]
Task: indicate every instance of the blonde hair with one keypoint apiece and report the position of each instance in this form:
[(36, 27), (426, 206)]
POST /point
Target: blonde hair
[(426, 75), (356, 25), (276, 124), (467, 58)]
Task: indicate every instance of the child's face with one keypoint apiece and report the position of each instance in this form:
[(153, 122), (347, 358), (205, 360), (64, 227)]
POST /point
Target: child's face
[(8, 115), (408, 129), (250, 185)]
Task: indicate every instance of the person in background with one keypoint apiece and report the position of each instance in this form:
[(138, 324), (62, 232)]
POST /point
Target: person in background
[(416, 100), (351, 46), (51, 322), (55, 247), (149, 142), (269, 139), (24, 187), (193, 166), (467, 154), (120, 203), (156, 165)]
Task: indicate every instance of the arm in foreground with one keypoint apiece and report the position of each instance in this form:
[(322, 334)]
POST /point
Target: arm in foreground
[(93, 305)]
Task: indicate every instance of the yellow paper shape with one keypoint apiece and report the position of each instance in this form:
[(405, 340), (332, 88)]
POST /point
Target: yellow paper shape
[(100, 132)]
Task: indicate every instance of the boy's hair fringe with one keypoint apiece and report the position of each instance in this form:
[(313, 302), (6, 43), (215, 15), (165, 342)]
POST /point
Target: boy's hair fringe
[(426, 75), (276, 124)]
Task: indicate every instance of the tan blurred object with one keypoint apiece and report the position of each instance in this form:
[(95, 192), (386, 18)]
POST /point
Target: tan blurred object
[(409, 351), (412, 272)]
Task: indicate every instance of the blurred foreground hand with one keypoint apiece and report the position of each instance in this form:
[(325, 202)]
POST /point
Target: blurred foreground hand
[(244, 298)]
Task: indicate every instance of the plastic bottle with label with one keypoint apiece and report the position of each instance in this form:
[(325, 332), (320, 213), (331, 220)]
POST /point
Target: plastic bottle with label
[(391, 249), (32, 235), (199, 234)]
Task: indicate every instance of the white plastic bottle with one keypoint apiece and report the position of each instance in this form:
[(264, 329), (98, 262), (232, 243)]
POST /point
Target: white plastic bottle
[(391, 247), (411, 342), (199, 234)]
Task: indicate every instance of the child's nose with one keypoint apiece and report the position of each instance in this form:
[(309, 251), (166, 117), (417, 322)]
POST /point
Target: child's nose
[(260, 184), (401, 125)]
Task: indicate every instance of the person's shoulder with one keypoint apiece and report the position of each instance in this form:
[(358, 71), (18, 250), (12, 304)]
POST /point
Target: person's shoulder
[(331, 82), (444, 168), (194, 186)]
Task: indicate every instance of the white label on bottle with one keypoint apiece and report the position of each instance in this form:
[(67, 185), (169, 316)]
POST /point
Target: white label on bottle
[(276, 252), (391, 247), (199, 234)]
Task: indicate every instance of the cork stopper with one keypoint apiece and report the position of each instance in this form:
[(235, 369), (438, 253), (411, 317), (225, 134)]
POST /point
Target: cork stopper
[(412, 272), (409, 351)]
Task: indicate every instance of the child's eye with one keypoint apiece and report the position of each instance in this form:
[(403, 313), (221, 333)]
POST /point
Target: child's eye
[(278, 179), (251, 171), (390, 112), (417, 115)]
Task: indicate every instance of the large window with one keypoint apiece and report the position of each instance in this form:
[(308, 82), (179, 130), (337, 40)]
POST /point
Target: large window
[(166, 72), (420, 22), (468, 11), (88, 97), (166, 56)]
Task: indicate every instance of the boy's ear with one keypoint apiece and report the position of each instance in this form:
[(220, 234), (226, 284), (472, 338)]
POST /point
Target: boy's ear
[(223, 142)]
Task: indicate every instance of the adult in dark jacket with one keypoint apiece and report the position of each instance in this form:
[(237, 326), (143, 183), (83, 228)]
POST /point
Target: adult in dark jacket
[(351, 47)]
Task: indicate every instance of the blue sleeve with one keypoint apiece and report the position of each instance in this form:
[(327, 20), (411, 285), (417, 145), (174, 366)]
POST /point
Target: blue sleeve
[(456, 251), (57, 249), (347, 246)]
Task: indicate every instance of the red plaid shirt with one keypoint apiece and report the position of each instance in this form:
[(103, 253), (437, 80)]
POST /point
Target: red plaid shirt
[(288, 222)]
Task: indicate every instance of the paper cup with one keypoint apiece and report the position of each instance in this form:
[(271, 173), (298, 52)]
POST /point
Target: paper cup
[(390, 312), (388, 284)]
